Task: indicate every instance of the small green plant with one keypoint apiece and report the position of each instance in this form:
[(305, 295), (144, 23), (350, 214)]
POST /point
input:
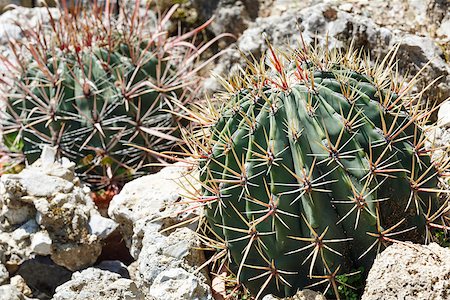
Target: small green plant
[(442, 238), (314, 164), (97, 83), (350, 285)]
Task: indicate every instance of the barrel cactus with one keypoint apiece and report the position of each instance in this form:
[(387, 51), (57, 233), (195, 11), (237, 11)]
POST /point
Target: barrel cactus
[(313, 165), (94, 83)]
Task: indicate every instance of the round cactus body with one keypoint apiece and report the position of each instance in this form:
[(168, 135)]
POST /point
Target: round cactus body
[(96, 85), (314, 166)]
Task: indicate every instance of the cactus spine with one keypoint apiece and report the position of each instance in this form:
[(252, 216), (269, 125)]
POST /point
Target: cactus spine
[(312, 167), (98, 83)]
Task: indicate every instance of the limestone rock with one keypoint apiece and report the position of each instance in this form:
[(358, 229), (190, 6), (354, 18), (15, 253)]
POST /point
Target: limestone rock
[(10, 292), (232, 16), (178, 284), (41, 243), (98, 284), (114, 266), (144, 208), (444, 114), (410, 272), (159, 253), (21, 285), (43, 276), (151, 198), (44, 210), (26, 17), (342, 27), (4, 274)]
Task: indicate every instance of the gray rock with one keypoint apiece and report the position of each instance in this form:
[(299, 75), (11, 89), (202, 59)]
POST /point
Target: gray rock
[(100, 226), (45, 210), (410, 272), (444, 114), (159, 253), (42, 275), (317, 21), (21, 285), (98, 284), (444, 28), (10, 292), (151, 198), (178, 284), (144, 208), (4, 274), (41, 243), (114, 266), (25, 17), (231, 16)]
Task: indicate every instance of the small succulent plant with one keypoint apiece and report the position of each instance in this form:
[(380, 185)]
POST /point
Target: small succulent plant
[(312, 166), (98, 82)]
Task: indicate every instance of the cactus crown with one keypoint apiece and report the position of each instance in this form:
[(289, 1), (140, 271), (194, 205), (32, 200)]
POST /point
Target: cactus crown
[(317, 160), (98, 82)]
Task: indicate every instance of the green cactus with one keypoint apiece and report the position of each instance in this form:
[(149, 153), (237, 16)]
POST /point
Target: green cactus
[(97, 84), (312, 167)]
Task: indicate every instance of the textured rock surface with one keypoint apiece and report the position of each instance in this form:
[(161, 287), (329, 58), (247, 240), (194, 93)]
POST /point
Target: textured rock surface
[(410, 272), (114, 266), (177, 283), (444, 115), (98, 284), (21, 285), (12, 20), (160, 253), (4, 274), (144, 208), (232, 16), (44, 210), (43, 276), (151, 199), (439, 135), (342, 28), (10, 292)]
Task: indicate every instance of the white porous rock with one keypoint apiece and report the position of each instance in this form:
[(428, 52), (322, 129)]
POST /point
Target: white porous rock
[(444, 29), (24, 17), (21, 285), (444, 114), (44, 210), (97, 284), (16, 243), (318, 20), (410, 272), (4, 274), (152, 198), (13, 24), (144, 208), (100, 226), (41, 243), (178, 284), (178, 250), (10, 292)]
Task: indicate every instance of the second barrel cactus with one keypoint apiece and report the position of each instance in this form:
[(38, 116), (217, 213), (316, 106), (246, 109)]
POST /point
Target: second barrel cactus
[(95, 84), (312, 167)]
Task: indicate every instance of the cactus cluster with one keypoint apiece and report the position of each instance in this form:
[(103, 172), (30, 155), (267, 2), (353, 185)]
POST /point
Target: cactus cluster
[(316, 162), (97, 83)]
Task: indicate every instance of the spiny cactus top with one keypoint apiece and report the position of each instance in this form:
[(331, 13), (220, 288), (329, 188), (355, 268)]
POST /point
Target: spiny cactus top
[(312, 167), (97, 82)]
